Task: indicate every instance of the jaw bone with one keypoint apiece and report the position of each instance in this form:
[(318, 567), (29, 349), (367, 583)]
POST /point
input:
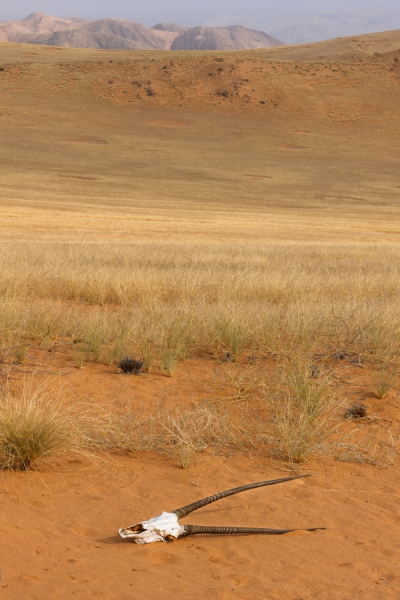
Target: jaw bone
[(166, 528)]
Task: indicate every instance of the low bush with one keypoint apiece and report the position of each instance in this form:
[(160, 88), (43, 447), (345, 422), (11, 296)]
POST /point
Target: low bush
[(130, 366)]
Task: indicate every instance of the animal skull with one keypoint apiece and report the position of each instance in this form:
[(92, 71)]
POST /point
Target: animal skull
[(163, 528), (166, 528)]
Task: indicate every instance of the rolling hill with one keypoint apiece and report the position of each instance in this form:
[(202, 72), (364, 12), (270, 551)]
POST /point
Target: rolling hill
[(312, 129)]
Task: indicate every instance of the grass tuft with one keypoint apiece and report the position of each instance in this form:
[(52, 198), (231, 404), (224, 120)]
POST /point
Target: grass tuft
[(35, 424), (383, 380), (305, 411)]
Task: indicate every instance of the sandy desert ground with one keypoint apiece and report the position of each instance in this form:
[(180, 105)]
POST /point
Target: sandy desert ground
[(148, 186)]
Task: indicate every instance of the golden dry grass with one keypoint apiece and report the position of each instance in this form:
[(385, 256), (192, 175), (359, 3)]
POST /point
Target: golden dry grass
[(260, 221), (165, 301), (306, 305), (36, 423)]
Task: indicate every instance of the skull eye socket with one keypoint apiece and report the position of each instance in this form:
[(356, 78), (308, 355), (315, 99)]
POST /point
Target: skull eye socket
[(136, 528)]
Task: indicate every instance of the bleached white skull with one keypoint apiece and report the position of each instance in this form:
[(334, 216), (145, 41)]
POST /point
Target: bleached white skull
[(163, 528)]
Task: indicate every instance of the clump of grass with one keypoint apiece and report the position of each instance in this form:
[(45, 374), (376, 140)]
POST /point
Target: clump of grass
[(80, 359), (383, 381), (169, 358), (94, 340), (35, 424), (380, 335), (305, 411), (232, 334), (113, 352), (147, 354), (176, 341), (130, 365)]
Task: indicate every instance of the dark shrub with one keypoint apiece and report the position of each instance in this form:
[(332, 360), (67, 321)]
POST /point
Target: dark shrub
[(130, 365), (358, 410)]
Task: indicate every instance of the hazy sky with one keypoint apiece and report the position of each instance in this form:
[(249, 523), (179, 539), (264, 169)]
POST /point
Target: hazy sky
[(183, 11)]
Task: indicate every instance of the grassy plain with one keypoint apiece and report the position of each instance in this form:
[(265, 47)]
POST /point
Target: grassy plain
[(233, 219), (168, 204)]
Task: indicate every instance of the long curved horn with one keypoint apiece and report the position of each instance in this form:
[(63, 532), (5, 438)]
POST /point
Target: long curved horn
[(185, 510), (199, 529)]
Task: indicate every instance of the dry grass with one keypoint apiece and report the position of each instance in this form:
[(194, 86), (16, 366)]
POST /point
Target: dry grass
[(383, 380), (36, 423), (180, 432), (306, 411), (127, 430), (163, 302), (301, 306), (237, 233)]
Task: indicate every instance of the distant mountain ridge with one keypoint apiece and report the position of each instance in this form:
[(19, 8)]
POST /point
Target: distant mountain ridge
[(114, 34), (36, 24), (233, 37)]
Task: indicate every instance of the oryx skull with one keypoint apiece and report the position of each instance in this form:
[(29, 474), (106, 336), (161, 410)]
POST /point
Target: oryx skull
[(165, 527)]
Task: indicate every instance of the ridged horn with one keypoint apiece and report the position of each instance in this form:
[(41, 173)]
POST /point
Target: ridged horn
[(186, 510), (198, 530)]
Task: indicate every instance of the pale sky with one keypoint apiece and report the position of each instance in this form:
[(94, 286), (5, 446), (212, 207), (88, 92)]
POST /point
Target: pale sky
[(183, 11)]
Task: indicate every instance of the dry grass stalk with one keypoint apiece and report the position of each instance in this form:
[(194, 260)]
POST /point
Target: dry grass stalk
[(371, 449), (185, 433)]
